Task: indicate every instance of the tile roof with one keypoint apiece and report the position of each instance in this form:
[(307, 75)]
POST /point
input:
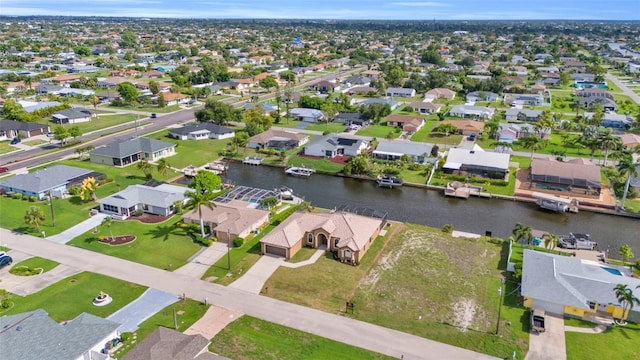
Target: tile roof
[(168, 344), (573, 169), (234, 216)]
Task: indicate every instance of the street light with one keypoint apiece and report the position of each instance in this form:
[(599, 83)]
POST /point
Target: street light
[(500, 293)]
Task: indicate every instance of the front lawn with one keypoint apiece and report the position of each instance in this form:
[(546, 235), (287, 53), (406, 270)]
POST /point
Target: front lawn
[(162, 245), (378, 131), (492, 186), (5, 147), (324, 166), (554, 144), (251, 338), (617, 342), (102, 122), (74, 295), (330, 127), (33, 266), (436, 137), (193, 152), (34, 142), (150, 109)]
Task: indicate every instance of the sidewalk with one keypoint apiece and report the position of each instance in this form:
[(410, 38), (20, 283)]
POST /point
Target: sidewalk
[(77, 230), (203, 260)]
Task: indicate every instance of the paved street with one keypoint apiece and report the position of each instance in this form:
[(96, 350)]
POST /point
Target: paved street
[(357, 333), (625, 90)]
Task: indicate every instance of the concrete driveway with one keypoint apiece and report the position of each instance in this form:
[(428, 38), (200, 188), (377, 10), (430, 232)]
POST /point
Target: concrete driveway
[(549, 345), (79, 229), (142, 308), (203, 260), (253, 280)]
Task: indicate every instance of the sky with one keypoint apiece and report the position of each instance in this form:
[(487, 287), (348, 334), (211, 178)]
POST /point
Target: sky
[(334, 9)]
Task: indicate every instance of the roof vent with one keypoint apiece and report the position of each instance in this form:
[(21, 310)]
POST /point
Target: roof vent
[(18, 328), (472, 152)]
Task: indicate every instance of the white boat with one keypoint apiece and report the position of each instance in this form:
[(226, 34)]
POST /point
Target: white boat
[(252, 160), (390, 181), (299, 171), (577, 241), (284, 193), (556, 203), (218, 167)]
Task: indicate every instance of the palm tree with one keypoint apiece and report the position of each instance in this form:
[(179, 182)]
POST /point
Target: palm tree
[(196, 201), (163, 167), (626, 299), (34, 216), (626, 167), (532, 142), (609, 142), (550, 240), (94, 100), (522, 232), (145, 167), (108, 221)]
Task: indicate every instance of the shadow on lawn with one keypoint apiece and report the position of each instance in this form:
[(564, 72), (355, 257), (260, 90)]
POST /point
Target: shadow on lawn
[(164, 231)]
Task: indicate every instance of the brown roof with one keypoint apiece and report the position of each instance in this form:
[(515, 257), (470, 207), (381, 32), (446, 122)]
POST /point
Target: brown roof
[(442, 92), (578, 168), (402, 119), (425, 105), (168, 96), (630, 140), (271, 133), (353, 231), (234, 217), (466, 124), (167, 344)]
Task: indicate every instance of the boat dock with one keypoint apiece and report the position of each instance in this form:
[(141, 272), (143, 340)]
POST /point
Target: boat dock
[(252, 160), (217, 167), (463, 191)]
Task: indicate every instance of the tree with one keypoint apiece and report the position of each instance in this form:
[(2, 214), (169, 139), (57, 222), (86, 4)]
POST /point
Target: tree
[(268, 83), (108, 222), (545, 123), (34, 216), (128, 92), (627, 299), (491, 128), (532, 142), (218, 113), (163, 167), (145, 167), (550, 240), (154, 87), (329, 110), (94, 100), (198, 199), (522, 232), (61, 134), (269, 202), (88, 189), (161, 102), (609, 142), (74, 131), (626, 167), (205, 181), (240, 140), (626, 253)]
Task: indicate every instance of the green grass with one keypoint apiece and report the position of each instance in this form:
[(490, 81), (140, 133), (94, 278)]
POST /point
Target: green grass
[(524, 161), (34, 142), (33, 266), (320, 165), (193, 152), (67, 212), (553, 144), (163, 245), (330, 127), (303, 254), (150, 109), (378, 131), (74, 295), (251, 338), (5, 147), (102, 122), (414, 176), (632, 205), (442, 179), (614, 341), (191, 311), (435, 137)]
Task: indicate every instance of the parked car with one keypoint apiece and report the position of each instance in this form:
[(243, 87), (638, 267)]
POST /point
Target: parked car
[(154, 115), (50, 134), (472, 137), (537, 320), (15, 140), (3, 169), (5, 261)]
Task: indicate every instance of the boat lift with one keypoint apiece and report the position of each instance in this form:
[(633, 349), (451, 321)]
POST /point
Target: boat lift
[(556, 203)]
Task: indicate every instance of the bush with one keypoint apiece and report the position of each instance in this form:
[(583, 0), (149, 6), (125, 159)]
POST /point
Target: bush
[(17, 196), (33, 198), (139, 212), (202, 241), (75, 190), (105, 181), (237, 242), (125, 336), (447, 228)]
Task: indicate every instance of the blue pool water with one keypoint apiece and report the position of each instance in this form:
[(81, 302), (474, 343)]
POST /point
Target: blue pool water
[(613, 271)]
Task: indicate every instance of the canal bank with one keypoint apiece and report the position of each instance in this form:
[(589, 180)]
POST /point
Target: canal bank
[(417, 205)]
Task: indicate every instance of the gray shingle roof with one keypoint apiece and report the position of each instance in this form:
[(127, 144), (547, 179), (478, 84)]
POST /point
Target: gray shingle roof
[(161, 196), (211, 127), (34, 335), (45, 179), (20, 125), (122, 148), (403, 147), (74, 113)]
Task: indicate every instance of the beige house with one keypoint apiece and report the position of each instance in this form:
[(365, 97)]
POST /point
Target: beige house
[(406, 122), (348, 235), (438, 93), (230, 220), (466, 127)]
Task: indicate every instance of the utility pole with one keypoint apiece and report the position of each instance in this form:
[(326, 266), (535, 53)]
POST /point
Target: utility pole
[(228, 250), (53, 219), (501, 293)]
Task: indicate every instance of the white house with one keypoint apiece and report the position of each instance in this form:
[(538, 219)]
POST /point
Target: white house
[(333, 145), (202, 131)]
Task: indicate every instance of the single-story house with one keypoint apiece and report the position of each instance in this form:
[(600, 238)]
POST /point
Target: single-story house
[(392, 103), (35, 335), (357, 80), (475, 161), (54, 180), (438, 93), (611, 120), (72, 116), (349, 235), (513, 132), (630, 140), (333, 145), (406, 122), (582, 77), (362, 90), (307, 115), (11, 128), (553, 175), (168, 344), (466, 127), (482, 96), (202, 131), (31, 106), (158, 200), (606, 103), (174, 98), (524, 99), (374, 74), (424, 107), (277, 139), (351, 119), (325, 87), (471, 111), (228, 221), (417, 152), (522, 114), (125, 152), (400, 92), (601, 93), (265, 106), (572, 286)]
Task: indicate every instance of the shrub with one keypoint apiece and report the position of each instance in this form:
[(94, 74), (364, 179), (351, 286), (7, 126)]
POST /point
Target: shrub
[(125, 336), (202, 241), (75, 190), (237, 242), (33, 198), (447, 228), (139, 212), (414, 167), (17, 196)]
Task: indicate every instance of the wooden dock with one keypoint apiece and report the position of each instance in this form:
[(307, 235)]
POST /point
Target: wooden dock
[(463, 191)]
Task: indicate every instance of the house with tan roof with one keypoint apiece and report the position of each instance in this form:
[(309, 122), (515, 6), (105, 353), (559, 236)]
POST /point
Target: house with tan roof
[(424, 107), (630, 140), (280, 139), (228, 221), (552, 175), (173, 98), (406, 122), (438, 93), (466, 127), (348, 235)]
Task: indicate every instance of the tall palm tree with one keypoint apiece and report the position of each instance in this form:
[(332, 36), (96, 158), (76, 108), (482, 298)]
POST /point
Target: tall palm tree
[(108, 222), (196, 201), (145, 167), (532, 142), (94, 100), (163, 167), (626, 298), (608, 142), (522, 232), (34, 216), (550, 241), (626, 167)]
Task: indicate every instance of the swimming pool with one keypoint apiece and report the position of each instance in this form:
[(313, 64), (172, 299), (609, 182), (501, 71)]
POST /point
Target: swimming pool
[(612, 271)]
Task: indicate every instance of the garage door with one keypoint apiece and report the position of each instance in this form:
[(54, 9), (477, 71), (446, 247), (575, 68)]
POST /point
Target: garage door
[(276, 251)]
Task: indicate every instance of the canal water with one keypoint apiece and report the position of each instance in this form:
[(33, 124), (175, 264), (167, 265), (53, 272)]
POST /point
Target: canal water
[(430, 207)]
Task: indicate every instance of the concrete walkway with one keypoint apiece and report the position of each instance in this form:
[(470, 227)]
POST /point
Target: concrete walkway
[(203, 260), (142, 308), (79, 229), (332, 326), (212, 322)]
